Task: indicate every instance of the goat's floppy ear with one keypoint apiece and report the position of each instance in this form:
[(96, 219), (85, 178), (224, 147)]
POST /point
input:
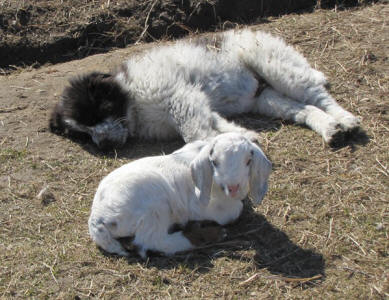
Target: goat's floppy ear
[(202, 174), (259, 174)]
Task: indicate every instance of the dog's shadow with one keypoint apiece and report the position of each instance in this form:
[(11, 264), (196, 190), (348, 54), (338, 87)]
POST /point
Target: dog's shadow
[(137, 148), (134, 148), (351, 139), (274, 251)]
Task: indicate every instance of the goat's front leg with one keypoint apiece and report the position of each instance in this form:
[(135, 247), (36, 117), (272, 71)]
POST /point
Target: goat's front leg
[(273, 104)]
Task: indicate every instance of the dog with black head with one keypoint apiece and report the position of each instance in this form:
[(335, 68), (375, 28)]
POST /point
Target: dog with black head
[(187, 89), (93, 105)]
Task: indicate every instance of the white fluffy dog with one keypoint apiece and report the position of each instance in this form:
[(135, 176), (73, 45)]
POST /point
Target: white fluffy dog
[(204, 180), (186, 88)]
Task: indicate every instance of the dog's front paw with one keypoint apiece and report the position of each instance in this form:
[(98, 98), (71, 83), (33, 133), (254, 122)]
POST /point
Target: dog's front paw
[(252, 136), (338, 140)]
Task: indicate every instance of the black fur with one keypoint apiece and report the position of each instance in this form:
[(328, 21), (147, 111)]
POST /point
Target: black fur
[(88, 100)]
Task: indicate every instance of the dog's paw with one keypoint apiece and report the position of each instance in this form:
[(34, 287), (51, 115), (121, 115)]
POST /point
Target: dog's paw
[(252, 136), (349, 123)]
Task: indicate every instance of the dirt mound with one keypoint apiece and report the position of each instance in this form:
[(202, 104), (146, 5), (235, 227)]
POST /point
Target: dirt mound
[(37, 32)]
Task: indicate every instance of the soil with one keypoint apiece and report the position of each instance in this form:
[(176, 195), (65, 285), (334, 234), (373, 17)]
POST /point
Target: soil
[(37, 32)]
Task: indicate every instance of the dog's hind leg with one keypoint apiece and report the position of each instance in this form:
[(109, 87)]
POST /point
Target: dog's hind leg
[(273, 104), (319, 97), (289, 73)]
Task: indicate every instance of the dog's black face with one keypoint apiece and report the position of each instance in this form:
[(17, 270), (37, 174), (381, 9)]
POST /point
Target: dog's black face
[(94, 105)]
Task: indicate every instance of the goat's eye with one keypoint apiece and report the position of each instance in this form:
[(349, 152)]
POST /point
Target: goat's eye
[(214, 163), (248, 162)]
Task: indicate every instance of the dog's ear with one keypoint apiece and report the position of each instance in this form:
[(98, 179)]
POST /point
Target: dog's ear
[(98, 85), (107, 96), (201, 170), (259, 174)]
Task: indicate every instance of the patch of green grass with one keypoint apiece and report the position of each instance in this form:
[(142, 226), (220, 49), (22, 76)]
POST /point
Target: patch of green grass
[(12, 154)]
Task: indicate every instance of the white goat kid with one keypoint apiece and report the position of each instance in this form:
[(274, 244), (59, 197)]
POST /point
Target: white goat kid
[(204, 180)]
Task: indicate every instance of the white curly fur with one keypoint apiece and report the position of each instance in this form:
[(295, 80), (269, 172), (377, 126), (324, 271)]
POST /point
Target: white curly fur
[(185, 89), (188, 82), (204, 180)]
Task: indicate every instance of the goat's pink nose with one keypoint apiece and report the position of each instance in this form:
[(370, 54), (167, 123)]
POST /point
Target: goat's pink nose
[(233, 189)]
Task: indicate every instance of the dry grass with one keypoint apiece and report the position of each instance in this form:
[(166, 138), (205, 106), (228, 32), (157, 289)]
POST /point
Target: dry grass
[(322, 231)]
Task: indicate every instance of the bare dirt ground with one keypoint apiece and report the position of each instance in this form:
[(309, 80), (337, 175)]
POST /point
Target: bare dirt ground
[(321, 232), (37, 32)]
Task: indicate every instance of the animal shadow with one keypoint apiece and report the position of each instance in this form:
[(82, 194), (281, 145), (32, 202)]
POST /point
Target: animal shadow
[(274, 250), (133, 149), (138, 148), (351, 139)]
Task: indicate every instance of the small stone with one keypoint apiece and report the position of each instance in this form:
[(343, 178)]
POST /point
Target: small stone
[(45, 196), (379, 226)]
